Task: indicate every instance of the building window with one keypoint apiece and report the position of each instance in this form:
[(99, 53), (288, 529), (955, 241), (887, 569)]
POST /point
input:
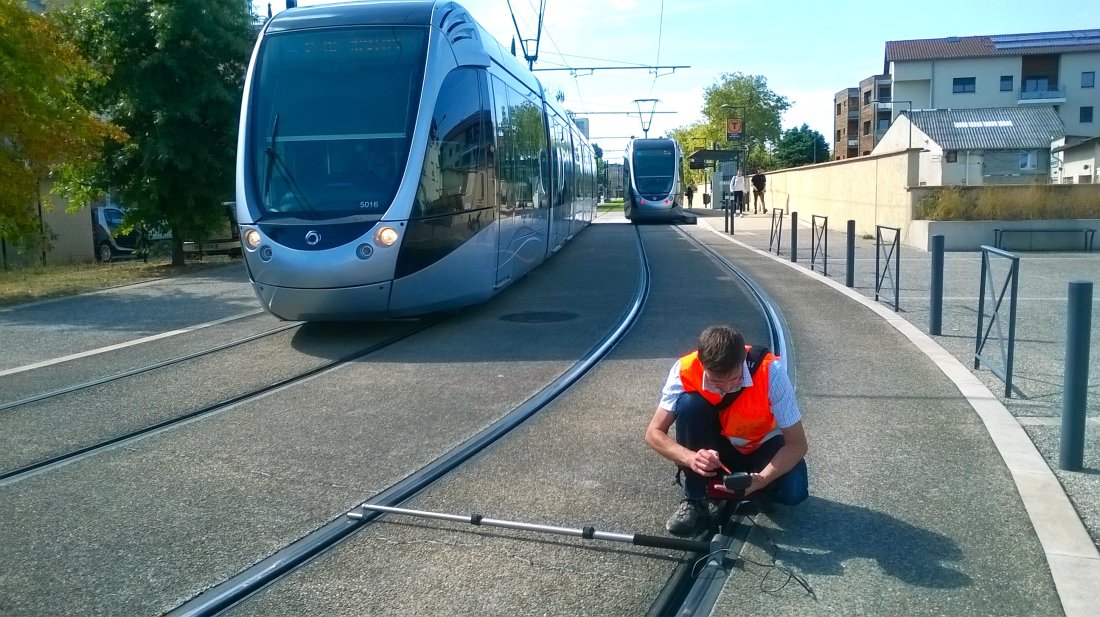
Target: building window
[(951, 156), (1006, 83), (962, 85), (1028, 160), (867, 127), (1086, 114), (867, 97), (1088, 79), (839, 135), (838, 112)]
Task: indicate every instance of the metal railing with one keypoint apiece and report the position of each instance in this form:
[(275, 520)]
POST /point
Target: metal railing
[(882, 271), (1049, 92), (1007, 344), (819, 237), (776, 237)]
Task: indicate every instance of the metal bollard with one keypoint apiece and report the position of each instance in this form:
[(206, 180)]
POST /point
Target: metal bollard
[(850, 271), (1076, 380), (794, 236), (935, 309)]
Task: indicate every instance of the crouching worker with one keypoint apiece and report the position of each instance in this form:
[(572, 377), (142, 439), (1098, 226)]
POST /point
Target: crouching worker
[(733, 406)]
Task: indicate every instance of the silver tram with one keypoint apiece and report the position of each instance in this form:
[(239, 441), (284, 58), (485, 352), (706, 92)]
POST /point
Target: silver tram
[(394, 159), (653, 188)]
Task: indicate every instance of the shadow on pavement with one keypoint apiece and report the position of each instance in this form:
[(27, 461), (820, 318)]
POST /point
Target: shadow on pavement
[(820, 535)]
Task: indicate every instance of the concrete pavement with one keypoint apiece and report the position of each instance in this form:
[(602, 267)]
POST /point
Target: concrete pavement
[(1064, 507)]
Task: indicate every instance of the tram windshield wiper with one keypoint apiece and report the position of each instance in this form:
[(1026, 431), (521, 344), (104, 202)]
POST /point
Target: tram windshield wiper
[(275, 161)]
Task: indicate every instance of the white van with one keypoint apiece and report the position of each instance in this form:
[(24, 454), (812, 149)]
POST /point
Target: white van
[(225, 240)]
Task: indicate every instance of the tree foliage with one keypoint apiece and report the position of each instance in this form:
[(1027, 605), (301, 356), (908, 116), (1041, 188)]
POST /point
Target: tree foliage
[(175, 72), (801, 146), (761, 111), (42, 124), (736, 95), (691, 139)]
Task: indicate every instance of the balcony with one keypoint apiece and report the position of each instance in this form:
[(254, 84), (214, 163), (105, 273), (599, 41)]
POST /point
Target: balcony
[(1050, 94)]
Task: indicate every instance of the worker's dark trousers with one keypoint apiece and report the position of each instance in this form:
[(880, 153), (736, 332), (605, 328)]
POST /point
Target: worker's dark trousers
[(697, 427)]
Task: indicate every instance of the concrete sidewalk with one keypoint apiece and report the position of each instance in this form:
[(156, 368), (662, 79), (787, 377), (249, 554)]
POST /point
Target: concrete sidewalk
[(1040, 345)]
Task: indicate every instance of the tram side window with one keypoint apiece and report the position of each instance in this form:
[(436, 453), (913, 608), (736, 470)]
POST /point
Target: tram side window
[(451, 180), (530, 142), (505, 141)]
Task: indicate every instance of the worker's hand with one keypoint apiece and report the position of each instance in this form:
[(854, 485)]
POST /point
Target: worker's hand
[(758, 482), (704, 462)]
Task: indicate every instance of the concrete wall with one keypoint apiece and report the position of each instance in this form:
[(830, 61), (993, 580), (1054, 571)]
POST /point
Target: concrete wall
[(1079, 164), (70, 233), (872, 190), (882, 190), (971, 235), (68, 236)]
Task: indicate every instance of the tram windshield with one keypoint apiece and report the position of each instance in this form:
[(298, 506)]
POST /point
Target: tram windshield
[(654, 170), (332, 117)]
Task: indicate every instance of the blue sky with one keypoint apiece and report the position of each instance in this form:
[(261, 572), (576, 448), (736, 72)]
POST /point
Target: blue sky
[(807, 49)]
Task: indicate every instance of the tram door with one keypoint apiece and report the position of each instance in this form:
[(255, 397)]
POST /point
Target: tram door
[(520, 146), (560, 172)]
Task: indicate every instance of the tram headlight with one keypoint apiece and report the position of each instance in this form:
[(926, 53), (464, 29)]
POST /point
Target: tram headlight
[(252, 239), (385, 236)]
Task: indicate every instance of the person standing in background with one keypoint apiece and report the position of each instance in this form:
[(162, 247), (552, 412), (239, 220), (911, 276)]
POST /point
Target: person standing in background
[(759, 181), (737, 188), (690, 192)]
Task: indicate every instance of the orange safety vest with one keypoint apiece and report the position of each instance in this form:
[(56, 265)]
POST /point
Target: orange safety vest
[(750, 416)]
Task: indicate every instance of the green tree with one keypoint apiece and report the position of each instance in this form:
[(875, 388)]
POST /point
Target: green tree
[(42, 124), (760, 109), (801, 146), (691, 139), (175, 72)]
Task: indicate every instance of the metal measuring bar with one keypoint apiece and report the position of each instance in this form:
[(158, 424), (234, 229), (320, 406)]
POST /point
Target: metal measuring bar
[(586, 533)]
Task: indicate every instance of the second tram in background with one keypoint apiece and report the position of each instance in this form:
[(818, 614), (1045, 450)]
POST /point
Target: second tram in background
[(394, 159), (652, 186)]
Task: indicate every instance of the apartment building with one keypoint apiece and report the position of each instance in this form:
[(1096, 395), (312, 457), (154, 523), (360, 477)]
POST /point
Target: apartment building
[(846, 124), (1055, 69)]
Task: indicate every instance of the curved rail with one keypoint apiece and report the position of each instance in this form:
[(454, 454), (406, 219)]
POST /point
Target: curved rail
[(265, 572), (26, 471), (687, 594), (145, 369)]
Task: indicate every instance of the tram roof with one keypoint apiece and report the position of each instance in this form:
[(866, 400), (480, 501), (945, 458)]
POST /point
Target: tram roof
[(402, 12)]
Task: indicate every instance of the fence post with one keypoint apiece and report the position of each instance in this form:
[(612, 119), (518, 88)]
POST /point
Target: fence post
[(935, 312), (850, 271), (1076, 380), (794, 236)]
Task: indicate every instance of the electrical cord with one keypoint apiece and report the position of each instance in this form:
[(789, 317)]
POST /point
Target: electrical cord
[(775, 566)]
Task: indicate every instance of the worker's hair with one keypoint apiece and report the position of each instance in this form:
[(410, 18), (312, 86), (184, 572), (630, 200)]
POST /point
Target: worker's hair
[(721, 349)]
